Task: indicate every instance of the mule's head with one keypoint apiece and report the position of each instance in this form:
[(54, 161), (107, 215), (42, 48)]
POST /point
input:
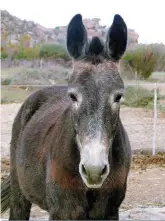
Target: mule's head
[(95, 91)]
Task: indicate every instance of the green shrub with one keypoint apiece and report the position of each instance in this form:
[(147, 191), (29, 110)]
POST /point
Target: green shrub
[(5, 81), (53, 51), (141, 59), (139, 97), (28, 53), (22, 50), (159, 51), (3, 55)]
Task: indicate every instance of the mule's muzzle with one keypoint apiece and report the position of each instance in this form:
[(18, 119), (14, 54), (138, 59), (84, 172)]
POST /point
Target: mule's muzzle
[(94, 175)]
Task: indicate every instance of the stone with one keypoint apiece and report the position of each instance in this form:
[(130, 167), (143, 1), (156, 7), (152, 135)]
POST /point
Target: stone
[(17, 27)]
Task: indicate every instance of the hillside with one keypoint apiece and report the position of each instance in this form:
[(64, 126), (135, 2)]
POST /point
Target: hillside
[(12, 28)]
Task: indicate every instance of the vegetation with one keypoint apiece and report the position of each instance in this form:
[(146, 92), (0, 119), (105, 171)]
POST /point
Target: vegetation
[(159, 51), (20, 50), (35, 76), (141, 60), (141, 97), (53, 51), (24, 49), (5, 81), (133, 98)]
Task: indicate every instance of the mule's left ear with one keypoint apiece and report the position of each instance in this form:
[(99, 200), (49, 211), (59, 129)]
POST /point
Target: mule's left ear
[(116, 41), (76, 37)]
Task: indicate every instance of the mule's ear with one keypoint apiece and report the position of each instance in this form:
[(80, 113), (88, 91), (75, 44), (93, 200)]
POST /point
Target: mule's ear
[(116, 41), (76, 37)]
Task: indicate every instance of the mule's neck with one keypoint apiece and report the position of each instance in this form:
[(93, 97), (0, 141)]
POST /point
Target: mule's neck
[(64, 148)]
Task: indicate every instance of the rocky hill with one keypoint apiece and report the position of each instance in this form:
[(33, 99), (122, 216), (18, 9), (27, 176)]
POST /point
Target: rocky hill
[(12, 28)]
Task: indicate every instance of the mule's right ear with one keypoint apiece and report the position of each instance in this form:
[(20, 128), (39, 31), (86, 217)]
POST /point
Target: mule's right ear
[(116, 41), (76, 37)]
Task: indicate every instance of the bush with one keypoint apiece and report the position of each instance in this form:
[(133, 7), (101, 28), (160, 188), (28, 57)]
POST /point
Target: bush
[(159, 51), (36, 76), (3, 53), (141, 59), (28, 53), (53, 51), (5, 81), (21, 50), (139, 97)]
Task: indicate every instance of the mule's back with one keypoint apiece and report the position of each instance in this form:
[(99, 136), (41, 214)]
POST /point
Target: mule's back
[(38, 98)]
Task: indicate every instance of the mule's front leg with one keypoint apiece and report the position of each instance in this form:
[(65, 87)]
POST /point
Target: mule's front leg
[(19, 206), (113, 214), (115, 199), (66, 204)]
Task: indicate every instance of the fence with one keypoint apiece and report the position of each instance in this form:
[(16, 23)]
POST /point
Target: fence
[(152, 121), (145, 125), (35, 63), (152, 125)]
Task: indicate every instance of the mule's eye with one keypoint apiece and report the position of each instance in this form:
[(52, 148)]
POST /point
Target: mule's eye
[(73, 97), (117, 98)]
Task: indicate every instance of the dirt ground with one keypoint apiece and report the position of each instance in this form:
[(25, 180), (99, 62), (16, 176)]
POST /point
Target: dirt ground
[(146, 183)]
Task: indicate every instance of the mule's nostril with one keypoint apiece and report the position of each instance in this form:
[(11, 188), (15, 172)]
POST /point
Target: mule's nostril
[(83, 170), (104, 171), (94, 171)]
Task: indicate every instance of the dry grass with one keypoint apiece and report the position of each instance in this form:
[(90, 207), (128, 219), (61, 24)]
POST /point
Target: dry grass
[(35, 76), (140, 161), (147, 161)]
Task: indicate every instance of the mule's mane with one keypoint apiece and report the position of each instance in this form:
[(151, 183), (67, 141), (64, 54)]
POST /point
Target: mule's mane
[(87, 66)]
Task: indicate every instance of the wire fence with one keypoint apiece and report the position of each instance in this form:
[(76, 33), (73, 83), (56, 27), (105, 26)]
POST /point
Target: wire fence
[(150, 124), (145, 125)]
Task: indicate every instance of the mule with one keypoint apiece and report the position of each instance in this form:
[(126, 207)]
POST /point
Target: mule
[(70, 153)]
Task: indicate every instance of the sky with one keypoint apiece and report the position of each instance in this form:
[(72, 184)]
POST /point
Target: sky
[(146, 17)]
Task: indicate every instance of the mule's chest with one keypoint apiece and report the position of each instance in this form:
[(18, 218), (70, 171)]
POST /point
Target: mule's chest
[(97, 204)]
